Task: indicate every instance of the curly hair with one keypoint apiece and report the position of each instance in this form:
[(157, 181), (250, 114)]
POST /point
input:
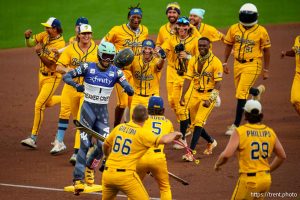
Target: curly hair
[(253, 117)]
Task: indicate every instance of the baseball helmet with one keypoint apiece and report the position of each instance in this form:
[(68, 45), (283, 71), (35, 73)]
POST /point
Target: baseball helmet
[(248, 14), (124, 58), (156, 102), (106, 51)]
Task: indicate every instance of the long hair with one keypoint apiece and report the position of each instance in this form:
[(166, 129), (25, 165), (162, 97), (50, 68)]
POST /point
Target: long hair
[(253, 117)]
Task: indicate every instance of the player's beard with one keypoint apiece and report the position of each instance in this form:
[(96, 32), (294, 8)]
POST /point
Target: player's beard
[(172, 19)]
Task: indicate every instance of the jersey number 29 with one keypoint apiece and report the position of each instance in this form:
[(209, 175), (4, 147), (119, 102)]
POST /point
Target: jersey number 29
[(259, 149)]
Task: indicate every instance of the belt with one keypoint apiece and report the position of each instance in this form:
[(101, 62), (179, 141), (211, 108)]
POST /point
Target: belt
[(202, 91), (143, 95), (117, 170), (244, 61), (47, 73), (254, 173), (157, 150)]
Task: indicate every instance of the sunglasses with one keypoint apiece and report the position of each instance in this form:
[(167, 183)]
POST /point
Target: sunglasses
[(107, 57), (183, 21)]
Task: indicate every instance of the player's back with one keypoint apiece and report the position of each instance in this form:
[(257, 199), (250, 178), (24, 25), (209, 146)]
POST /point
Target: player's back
[(256, 146)]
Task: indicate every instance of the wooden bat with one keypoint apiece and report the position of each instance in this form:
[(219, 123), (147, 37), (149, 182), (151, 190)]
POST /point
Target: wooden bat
[(180, 180), (89, 131)]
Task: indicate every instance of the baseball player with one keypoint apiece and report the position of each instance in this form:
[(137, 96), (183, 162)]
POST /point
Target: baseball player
[(78, 23), (250, 42), (146, 72), (154, 161), (129, 35), (49, 80), (179, 48), (295, 52), (124, 146), (254, 143), (166, 31), (99, 80), (85, 50), (206, 71)]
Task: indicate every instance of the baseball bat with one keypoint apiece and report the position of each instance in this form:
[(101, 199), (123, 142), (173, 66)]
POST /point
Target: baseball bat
[(88, 131), (177, 178)]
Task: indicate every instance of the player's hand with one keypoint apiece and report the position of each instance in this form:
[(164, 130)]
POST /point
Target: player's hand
[(182, 101), (79, 88), (206, 103), (265, 75), (226, 68), (162, 53), (28, 33), (178, 135), (217, 168), (282, 54), (183, 54), (38, 48)]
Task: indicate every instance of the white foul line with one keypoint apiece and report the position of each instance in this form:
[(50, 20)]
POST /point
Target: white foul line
[(56, 189)]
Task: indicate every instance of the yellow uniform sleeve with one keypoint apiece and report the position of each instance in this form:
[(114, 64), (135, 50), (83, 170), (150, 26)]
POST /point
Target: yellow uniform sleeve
[(265, 41), (191, 68), (229, 39), (218, 70)]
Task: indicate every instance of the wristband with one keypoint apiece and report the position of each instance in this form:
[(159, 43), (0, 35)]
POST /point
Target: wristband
[(265, 70), (224, 64), (213, 95)]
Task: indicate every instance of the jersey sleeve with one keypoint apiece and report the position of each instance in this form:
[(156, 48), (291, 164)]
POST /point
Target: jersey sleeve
[(110, 36), (167, 45), (160, 37), (218, 70), (265, 40), (149, 139), (229, 36), (215, 34), (79, 71), (39, 37), (65, 57), (191, 69), (110, 139)]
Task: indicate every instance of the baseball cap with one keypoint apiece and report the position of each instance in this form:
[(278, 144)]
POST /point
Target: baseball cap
[(52, 22), (183, 20), (135, 11), (81, 20), (156, 102), (173, 6), (251, 105), (198, 11), (148, 43), (85, 28)]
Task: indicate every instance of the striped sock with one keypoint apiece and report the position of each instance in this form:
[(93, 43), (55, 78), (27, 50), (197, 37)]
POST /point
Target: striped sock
[(62, 127)]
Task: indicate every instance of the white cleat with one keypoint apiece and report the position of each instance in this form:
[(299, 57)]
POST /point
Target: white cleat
[(218, 102), (29, 142), (230, 129), (261, 89), (58, 147)]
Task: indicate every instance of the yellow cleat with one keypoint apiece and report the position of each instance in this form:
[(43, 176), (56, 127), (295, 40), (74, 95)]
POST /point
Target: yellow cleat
[(89, 176)]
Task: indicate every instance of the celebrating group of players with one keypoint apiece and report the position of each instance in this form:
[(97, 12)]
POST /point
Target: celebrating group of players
[(193, 82)]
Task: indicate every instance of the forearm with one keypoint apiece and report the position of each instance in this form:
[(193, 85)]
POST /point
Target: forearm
[(106, 150), (276, 163), (266, 59), (61, 69), (169, 138), (127, 87), (68, 79), (49, 63), (186, 85), (30, 42), (290, 53), (227, 52), (221, 160)]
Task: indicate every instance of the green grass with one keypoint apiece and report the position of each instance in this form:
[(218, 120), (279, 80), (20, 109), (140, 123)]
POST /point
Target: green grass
[(17, 16)]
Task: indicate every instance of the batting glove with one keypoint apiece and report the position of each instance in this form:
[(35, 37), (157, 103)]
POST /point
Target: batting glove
[(79, 88)]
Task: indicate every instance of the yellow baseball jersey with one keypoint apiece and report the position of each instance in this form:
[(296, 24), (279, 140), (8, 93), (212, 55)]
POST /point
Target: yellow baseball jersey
[(247, 43), (191, 47), (159, 125), (211, 72), (123, 37), (146, 76), (47, 46), (131, 141), (72, 39), (73, 56), (165, 32), (255, 147), (210, 32), (296, 48)]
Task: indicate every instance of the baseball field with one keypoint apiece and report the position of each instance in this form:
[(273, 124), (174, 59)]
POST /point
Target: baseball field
[(35, 174)]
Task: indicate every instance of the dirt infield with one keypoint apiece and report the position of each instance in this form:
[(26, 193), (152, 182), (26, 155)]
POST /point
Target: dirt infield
[(24, 167)]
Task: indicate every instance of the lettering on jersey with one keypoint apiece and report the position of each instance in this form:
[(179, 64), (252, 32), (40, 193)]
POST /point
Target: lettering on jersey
[(92, 71), (46, 51), (129, 43), (258, 133), (95, 79), (85, 65), (78, 70), (123, 78), (96, 97), (156, 117), (111, 74), (143, 77), (75, 62), (127, 130), (208, 74), (244, 41)]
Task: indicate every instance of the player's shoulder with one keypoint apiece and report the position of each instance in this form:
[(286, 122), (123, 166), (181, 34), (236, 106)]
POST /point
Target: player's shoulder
[(143, 28), (216, 59)]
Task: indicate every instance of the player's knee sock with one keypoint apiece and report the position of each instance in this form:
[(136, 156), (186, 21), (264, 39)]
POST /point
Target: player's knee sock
[(183, 126), (239, 111), (118, 115), (76, 151), (207, 137), (254, 91), (34, 137), (62, 127), (196, 136)]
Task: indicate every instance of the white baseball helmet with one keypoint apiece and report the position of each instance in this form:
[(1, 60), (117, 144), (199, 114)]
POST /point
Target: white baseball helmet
[(248, 14), (106, 51)]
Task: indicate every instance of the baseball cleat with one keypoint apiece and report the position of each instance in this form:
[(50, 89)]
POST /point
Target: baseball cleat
[(218, 102), (210, 147), (89, 176), (73, 159), (177, 146), (58, 147), (29, 142), (188, 157), (261, 89), (78, 187), (230, 129)]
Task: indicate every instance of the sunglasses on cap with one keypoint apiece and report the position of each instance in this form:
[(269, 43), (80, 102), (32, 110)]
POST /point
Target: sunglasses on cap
[(183, 20), (107, 57)]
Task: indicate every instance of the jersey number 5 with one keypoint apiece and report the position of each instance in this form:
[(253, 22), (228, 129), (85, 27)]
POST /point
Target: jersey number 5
[(156, 128), (124, 146), (257, 148)]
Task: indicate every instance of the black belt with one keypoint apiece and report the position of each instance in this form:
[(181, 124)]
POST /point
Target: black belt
[(254, 173), (202, 91), (47, 73), (143, 95), (118, 170), (157, 150), (244, 61)]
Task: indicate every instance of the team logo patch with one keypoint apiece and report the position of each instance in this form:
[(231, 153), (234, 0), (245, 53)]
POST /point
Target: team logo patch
[(78, 70), (111, 74), (120, 73), (85, 65), (122, 79), (92, 71), (220, 74)]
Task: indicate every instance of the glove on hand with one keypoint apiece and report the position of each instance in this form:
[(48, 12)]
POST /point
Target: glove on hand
[(162, 53), (79, 88)]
